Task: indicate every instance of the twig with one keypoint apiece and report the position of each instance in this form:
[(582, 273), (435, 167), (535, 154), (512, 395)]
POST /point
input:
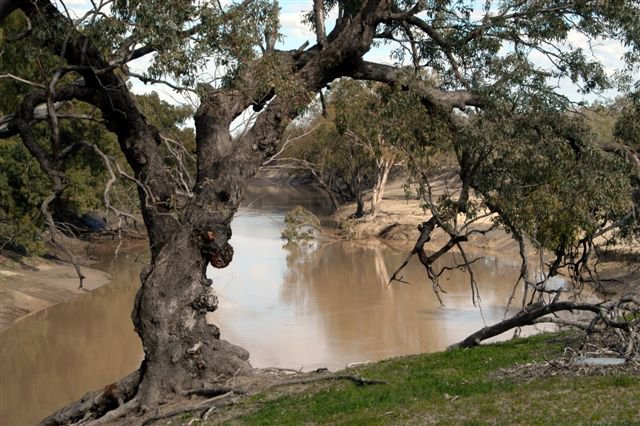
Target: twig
[(204, 405), (360, 381), (213, 391)]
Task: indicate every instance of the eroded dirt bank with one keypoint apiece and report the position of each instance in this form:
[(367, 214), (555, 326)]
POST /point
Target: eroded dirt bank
[(28, 285), (31, 284)]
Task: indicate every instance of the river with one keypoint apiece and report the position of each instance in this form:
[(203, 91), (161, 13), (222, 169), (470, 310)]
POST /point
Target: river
[(326, 305)]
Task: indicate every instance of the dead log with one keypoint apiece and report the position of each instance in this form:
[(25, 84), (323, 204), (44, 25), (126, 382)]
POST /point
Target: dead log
[(528, 315)]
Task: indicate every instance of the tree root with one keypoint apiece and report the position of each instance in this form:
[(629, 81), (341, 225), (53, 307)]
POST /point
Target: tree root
[(96, 404), (120, 399), (223, 394), (219, 401), (121, 411)]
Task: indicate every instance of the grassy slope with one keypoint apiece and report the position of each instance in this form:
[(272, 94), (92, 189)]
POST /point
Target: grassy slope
[(456, 387)]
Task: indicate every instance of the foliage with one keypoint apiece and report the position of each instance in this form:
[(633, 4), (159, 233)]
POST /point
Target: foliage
[(368, 126), (300, 226), (542, 172), (187, 35), (23, 188), (380, 119), (627, 127)]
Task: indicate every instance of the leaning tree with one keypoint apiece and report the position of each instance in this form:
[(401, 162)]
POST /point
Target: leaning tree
[(55, 63)]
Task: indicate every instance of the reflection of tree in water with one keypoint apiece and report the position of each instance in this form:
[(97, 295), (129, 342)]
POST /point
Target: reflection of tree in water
[(344, 285)]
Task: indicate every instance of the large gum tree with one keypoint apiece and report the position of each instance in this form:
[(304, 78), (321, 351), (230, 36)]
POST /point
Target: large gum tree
[(225, 54)]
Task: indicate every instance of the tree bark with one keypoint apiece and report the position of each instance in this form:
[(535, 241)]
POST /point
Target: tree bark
[(180, 347), (525, 317), (382, 174)]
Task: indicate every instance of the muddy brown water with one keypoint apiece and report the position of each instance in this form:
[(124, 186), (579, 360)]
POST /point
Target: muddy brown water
[(326, 305)]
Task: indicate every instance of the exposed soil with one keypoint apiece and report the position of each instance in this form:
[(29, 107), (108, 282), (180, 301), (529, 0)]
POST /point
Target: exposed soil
[(401, 213), (28, 285)]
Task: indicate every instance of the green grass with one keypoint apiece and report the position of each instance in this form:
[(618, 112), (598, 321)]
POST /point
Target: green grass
[(457, 387)]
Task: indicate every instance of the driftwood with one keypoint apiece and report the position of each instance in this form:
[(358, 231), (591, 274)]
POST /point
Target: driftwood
[(360, 381), (213, 391)]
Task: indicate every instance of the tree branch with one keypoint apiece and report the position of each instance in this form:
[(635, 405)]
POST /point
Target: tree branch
[(530, 314), (447, 100)]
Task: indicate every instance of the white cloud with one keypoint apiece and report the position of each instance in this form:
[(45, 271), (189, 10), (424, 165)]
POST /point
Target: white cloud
[(607, 51), (292, 26), (295, 31)]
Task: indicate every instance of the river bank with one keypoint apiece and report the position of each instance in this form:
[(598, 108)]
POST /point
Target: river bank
[(31, 284), (28, 285), (326, 307), (523, 381), (618, 267)]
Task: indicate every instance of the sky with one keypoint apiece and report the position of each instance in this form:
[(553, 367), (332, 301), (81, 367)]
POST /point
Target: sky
[(295, 33)]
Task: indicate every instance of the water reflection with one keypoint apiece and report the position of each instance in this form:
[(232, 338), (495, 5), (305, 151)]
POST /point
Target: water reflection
[(332, 305)]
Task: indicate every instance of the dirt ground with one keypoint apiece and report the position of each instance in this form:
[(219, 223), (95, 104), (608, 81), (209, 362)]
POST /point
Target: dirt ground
[(28, 285)]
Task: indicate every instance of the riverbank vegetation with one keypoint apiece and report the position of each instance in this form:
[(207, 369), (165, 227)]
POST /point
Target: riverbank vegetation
[(524, 381), (476, 84)]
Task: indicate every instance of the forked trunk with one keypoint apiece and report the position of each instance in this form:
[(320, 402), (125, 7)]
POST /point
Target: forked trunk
[(186, 233)]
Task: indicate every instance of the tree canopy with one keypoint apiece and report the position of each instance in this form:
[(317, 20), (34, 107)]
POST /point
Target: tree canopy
[(493, 95)]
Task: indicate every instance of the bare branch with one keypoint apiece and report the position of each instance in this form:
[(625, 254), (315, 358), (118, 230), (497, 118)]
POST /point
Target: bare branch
[(112, 180), (448, 100), (151, 80), (22, 80)]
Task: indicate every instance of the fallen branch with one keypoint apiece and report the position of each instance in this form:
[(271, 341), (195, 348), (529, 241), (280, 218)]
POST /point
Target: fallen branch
[(213, 391), (589, 327), (360, 381), (529, 315), (204, 406)]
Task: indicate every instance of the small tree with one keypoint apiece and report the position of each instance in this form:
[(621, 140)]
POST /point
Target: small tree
[(365, 133), (362, 120)]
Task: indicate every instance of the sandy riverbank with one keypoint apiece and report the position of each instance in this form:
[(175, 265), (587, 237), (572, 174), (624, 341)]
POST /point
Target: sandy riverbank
[(28, 285), (400, 216), (31, 284)]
